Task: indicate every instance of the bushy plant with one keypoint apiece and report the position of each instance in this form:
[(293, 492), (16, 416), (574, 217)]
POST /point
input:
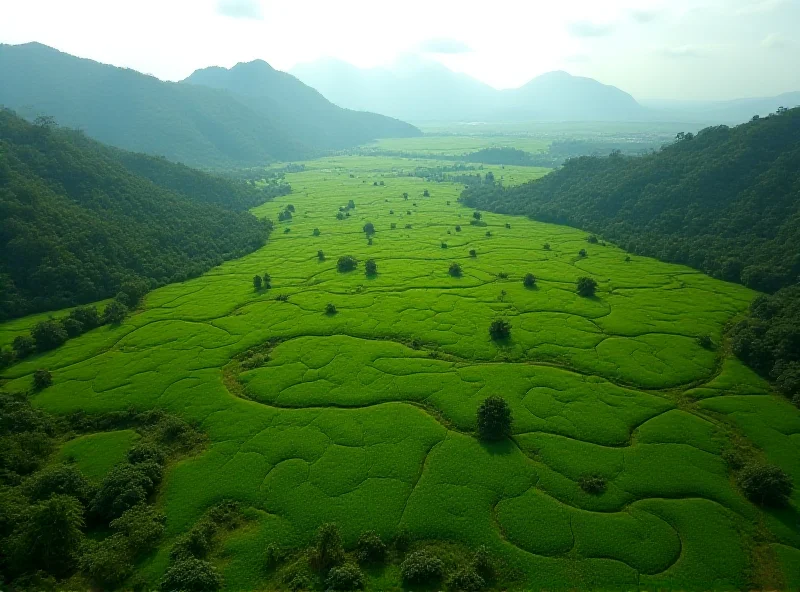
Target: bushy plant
[(582, 253), (370, 547), (328, 549), (345, 577), (705, 341), (124, 487), (115, 312), (494, 418), (455, 270), (320, 256), (107, 563), (586, 287), (370, 267), (369, 228), (346, 263), (42, 379), (529, 281), (467, 580), (316, 232), (473, 253), (142, 526), (191, 575), (257, 282), (482, 563), (592, 484), (765, 484), (421, 567), (592, 239), (330, 308), (58, 480), (546, 246), (72, 327), (500, 329), (48, 335)]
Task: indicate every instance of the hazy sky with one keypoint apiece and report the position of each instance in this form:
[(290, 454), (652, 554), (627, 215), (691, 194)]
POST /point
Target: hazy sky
[(676, 49)]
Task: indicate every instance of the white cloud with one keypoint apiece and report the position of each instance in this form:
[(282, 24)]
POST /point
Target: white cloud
[(643, 16), (683, 51), (774, 41), (764, 6)]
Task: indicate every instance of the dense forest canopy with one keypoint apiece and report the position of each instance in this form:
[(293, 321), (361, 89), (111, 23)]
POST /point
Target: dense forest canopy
[(78, 218), (190, 123), (726, 201)]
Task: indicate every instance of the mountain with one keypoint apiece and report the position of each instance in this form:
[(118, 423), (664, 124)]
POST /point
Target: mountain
[(727, 112), (313, 119), (419, 90), (726, 201), (78, 218), (189, 123)]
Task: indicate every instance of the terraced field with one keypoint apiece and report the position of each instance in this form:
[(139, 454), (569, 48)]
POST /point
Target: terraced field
[(366, 417)]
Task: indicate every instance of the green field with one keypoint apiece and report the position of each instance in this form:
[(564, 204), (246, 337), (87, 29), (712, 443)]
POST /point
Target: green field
[(454, 145), (366, 417)]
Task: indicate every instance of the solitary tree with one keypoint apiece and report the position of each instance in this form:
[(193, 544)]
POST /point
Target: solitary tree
[(500, 329), (346, 263), (458, 228), (316, 232), (546, 246), (477, 215), (582, 253), (330, 309), (508, 225), (267, 281), (320, 255), (351, 204), (767, 485), (257, 282), (586, 286), (328, 548), (455, 270), (42, 379), (494, 418), (592, 240), (370, 267), (405, 195), (426, 193), (473, 253), (369, 228), (529, 281)]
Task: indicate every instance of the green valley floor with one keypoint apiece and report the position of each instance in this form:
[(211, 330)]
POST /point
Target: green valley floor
[(366, 417)]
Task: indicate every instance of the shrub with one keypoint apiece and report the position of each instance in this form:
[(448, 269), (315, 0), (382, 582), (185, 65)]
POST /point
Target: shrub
[(191, 575), (628, 259), (290, 208), (455, 270), (467, 580), (48, 335), (72, 327), (444, 245), (340, 216), (488, 233), (586, 287), (458, 228), (58, 480), (477, 215), (146, 452), (257, 282), (592, 484), (108, 563), (282, 298), (124, 487), (500, 329), (787, 377), (592, 240), (328, 549), (23, 346), (287, 230), (494, 418), (115, 312), (330, 309), (393, 225), (346, 263), (546, 246), (316, 232), (582, 253), (408, 227), (142, 526), (705, 341), (420, 568), (473, 253), (370, 267), (369, 228), (508, 225), (369, 241), (273, 555), (370, 548), (502, 275), (482, 562), (320, 256), (267, 281), (426, 193), (766, 485), (86, 316), (529, 281), (42, 379), (402, 540), (7, 357), (405, 195), (351, 204), (345, 577)]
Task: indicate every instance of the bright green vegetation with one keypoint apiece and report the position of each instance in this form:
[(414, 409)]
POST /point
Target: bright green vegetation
[(95, 454), (700, 201), (366, 418), (80, 218), (458, 145), (216, 118)]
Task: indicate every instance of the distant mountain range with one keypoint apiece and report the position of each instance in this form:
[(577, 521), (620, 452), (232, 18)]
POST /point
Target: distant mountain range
[(421, 91), (245, 116)]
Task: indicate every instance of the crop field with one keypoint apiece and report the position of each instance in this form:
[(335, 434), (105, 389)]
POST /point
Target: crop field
[(366, 416), (454, 145)]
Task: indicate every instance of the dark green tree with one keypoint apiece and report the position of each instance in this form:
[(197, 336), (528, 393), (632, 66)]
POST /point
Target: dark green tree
[(455, 270), (586, 287), (529, 281), (42, 379), (48, 335), (766, 485), (494, 418), (115, 313), (370, 267), (257, 282), (346, 263), (500, 329)]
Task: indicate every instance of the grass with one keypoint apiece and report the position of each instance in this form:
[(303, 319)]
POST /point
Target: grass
[(366, 417), (95, 454)]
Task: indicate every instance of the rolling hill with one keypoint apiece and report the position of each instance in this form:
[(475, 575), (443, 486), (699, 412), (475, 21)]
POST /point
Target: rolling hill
[(188, 123)]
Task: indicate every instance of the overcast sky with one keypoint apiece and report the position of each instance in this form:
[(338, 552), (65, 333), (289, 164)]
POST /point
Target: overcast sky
[(676, 49)]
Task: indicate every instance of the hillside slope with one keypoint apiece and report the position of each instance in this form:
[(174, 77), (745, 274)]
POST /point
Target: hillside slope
[(190, 123), (78, 218), (424, 90), (312, 119), (726, 201)]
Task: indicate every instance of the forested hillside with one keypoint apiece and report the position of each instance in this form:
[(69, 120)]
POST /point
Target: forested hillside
[(189, 123), (78, 218), (726, 201), (311, 118)]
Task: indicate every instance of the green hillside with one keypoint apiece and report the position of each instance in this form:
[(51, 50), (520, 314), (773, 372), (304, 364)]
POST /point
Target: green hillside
[(726, 201), (193, 124), (78, 218)]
